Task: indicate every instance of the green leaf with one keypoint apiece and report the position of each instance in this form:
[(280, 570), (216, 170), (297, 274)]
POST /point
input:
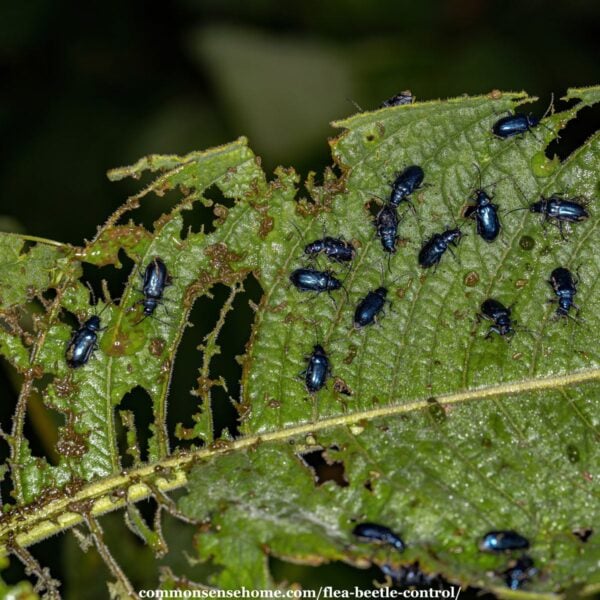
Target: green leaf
[(447, 435), (441, 434)]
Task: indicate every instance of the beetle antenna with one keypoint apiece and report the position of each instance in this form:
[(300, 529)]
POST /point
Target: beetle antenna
[(142, 319), (481, 178), (409, 275), (522, 194), (298, 230), (516, 209), (316, 331), (479, 172), (535, 334), (345, 290)]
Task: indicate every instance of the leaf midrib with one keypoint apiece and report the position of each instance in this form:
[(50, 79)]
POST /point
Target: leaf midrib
[(57, 516)]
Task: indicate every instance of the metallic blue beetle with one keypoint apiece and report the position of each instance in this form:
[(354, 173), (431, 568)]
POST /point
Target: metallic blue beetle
[(317, 370), (369, 307), (485, 214), (503, 541), (405, 184), (386, 223), (565, 287), (411, 576), (404, 97), (514, 125), (371, 532), (498, 313), (519, 572), (559, 210), (434, 248), (311, 280), (156, 278), (83, 343), (335, 249)]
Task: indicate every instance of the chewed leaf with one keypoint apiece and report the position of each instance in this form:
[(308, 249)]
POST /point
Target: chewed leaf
[(445, 435), (430, 419)]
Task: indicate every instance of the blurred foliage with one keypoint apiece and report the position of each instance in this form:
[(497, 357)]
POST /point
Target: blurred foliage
[(87, 88)]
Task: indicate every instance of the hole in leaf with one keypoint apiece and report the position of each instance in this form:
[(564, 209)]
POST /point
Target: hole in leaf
[(48, 554), (153, 207), (583, 533), (115, 278), (207, 215), (147, 510), (88, 571), (135, 409), (71, 320), (49, 294), (234, 337), (575, 134), (373, 206), (223, 366), (203, 315), (42, 424), (325, 469)]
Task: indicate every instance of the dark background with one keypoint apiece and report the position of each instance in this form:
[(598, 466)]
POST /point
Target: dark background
[(87, 86)]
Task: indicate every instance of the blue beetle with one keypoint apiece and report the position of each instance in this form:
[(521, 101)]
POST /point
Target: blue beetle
[(434, 248), (317, 370), (311, 280), (514, 125), (485, 214), (405, 184), (503, 325), (411, 576), (559, 210), (386, 223), (369, 307), (371, 532), (404, 97), (336, 249), (565, 287), (519, 572), (503, 541), (155, 279), (83, 343)]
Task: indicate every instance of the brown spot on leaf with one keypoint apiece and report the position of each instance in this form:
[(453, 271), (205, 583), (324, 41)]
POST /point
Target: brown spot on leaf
[(266, 226), (156, 347), (340, 386), (471, 279), (64, 386), (349, 358)]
